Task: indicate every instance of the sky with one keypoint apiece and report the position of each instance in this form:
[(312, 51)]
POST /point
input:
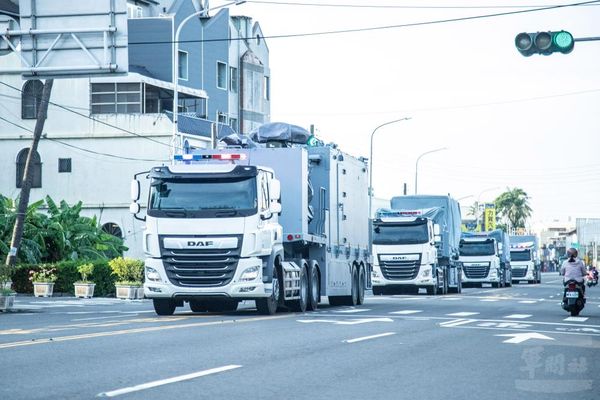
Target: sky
[(506, 120)]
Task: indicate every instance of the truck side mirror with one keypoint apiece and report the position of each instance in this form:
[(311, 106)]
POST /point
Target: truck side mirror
[(275, 190), (436, 230), (275, 207), (134, 208), (135, 190), (437, 238)]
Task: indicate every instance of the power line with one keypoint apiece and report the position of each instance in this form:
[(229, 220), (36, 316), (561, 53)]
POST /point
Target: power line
[(378, 28), (79, 148), (406, 7)]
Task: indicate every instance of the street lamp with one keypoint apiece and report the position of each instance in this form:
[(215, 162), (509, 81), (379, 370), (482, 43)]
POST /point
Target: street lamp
[(479, 199), (371, 161), (417, 163), (175, 74)]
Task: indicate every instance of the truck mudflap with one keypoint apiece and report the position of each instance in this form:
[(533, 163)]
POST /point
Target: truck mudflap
[(291, 280)]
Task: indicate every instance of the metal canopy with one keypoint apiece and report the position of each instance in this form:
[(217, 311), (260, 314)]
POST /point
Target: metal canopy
[(65, 38)]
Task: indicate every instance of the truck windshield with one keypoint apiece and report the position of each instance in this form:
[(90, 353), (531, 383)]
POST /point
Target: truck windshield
[(203, 198), (522, 255), (486, 248), (405, 233)]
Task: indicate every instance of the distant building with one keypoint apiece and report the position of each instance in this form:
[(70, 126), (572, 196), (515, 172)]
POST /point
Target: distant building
[(102, 130)]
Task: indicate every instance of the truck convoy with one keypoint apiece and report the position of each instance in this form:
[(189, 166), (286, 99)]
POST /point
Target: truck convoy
[(415, 245), (525, 259), (269, 219), (485, 258)]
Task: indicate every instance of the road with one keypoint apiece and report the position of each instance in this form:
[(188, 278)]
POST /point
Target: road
[(484, 344)]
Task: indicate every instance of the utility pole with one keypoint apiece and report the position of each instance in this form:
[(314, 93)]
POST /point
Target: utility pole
[(17, 235)]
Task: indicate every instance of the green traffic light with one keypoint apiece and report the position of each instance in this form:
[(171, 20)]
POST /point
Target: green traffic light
[(563, 40)]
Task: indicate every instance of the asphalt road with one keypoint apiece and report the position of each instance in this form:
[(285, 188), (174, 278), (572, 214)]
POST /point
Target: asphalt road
[(484, 344)]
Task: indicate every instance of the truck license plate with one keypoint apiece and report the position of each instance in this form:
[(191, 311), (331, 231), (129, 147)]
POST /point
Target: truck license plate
[(572, 295)]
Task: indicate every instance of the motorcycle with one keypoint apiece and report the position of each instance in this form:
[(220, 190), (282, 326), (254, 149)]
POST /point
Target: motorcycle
[(591, 279), (573, 300)]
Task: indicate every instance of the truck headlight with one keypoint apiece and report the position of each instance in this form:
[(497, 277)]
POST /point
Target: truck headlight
[(374, 274), (494, 273), (249, 274), (152, 275), (427, 272)]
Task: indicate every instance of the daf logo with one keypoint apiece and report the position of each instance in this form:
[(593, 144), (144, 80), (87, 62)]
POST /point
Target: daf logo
[(200, 243), (399, 258)]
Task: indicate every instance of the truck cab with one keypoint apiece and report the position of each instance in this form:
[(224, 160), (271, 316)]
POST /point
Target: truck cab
[(524, 264), (480, 260), (404, 254)]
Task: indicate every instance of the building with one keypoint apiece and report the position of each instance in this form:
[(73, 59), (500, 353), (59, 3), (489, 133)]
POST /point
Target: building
[(100, 131)]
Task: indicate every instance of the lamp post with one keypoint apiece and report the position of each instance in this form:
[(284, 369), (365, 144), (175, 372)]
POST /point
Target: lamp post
[(417, 164), (479, 199), (175, 75), (371, 161)]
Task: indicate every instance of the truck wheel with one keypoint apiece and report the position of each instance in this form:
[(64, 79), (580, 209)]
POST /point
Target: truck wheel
[(433, 291), (377, 291), (268, 305), (300, 304), (361, 286), (574, 312), (164, 306), (198, 306), (352, 300), (314, 287), (446, 288)]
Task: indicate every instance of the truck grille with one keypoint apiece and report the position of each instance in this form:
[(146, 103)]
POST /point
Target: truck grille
[(519, 272), (200, 267), (476, 271), (400, 270)]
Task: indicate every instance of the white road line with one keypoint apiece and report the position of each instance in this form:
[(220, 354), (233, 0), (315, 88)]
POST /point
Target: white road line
[(95, 318), (355, 310), (406, 312), (456, 322), (528, 301), (576, 319), (451, 298), (149, 385), (518, 316), (462, 314), (360, 339), (490, 300)]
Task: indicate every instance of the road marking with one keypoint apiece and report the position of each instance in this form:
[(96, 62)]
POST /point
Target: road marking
[(355, 310), (450, 298), (360, 339), (96, 318), (462, 314), (518, 316), (517, 338), (406, 312), (456, 322), (528, 301), (346, 322), (150, 385), (490, 300), (576, 319), (512, 325)]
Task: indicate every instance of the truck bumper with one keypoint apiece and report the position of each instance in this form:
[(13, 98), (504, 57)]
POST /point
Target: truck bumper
[(242, 290), (422, 279)]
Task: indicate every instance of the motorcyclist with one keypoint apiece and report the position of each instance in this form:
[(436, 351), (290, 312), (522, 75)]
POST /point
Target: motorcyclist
[(594, 273), (573, 269)]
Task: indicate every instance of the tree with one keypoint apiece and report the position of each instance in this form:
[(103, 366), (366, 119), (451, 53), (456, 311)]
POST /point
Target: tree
[(473, 209), (513, 207)]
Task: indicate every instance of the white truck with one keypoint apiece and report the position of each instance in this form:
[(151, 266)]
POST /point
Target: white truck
[(405, 253), (525, 259), (485, 258), (281, 223)]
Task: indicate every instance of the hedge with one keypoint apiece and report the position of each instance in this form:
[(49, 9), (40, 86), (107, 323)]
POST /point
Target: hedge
[(67, 276)]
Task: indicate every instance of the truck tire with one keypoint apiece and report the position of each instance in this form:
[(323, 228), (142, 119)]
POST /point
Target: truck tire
[(377, 291), (268, 305), (361, 283), (495, 285), (198, 306), (434, 290), (164, 306), (300, 304), (314, 287)]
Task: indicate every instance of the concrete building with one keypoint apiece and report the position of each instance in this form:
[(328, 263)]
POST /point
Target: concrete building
[(101, 130)]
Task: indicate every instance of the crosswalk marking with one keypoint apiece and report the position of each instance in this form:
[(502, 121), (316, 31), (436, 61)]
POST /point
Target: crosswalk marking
[(576, 319), (406, 312), (451, 298), (518, 316), (528, 301), (456, 322), (489, 300), (354, 310), (462, 314)]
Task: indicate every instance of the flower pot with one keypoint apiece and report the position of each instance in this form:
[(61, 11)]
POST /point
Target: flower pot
[(43, 289), (6, 302), (84, 290), (140, 293), (127, 292)]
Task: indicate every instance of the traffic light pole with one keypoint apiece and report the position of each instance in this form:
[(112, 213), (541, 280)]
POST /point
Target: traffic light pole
[(586, 39)]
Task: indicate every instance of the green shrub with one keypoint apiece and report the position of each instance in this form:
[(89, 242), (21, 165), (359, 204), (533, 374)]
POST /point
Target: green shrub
[(128, 271), (85, 270)]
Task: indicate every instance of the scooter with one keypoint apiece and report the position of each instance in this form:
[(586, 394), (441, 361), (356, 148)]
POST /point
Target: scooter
[(573, 300), (591, 279)]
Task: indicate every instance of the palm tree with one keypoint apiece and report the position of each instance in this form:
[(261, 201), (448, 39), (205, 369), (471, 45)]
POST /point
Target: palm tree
[(513, 207)]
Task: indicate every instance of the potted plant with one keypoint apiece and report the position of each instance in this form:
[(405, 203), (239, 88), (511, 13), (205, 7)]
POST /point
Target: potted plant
[(85, 288), (43, 280), (7, 295), (129, 273)]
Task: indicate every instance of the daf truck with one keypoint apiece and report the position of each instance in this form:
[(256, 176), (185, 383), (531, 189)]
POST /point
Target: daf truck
[(279, 222), (524, 253), (485, 258), (419, 249)]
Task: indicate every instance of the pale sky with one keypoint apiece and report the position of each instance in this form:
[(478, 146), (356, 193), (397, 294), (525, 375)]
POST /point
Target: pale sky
[(507, 120)]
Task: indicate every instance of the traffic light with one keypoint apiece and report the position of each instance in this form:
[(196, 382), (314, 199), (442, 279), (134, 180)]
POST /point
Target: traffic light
[(544, 43)]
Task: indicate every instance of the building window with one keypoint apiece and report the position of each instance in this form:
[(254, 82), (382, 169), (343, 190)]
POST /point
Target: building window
[(221, 75), (31, 99), (116, 98), (233, 123), (36, 176), (183, 65), (233, 79), (194, 105), (267, 88), (221, 118), (113, 229), (64, 165)]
